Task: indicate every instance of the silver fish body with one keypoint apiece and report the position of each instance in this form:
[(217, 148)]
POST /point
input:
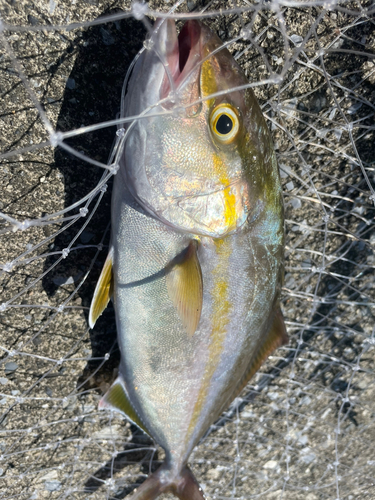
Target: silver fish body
[(197, 251)]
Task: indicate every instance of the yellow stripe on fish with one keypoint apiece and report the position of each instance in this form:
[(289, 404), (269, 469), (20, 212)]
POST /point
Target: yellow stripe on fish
[(230, 213), (221, 308)]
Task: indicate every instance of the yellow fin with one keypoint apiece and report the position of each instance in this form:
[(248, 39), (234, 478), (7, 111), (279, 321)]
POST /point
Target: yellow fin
[(185, 288), (116, 398), (275, 337), (103, 291)]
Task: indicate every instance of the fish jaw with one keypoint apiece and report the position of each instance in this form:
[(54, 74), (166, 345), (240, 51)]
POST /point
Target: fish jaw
[(172, 163)]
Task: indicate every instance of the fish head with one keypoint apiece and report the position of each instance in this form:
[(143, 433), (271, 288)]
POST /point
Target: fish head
[(199, 157)]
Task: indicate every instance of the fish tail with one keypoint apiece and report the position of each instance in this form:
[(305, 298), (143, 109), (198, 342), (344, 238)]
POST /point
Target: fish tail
[(188, 487), (150, 489), (182, 485)]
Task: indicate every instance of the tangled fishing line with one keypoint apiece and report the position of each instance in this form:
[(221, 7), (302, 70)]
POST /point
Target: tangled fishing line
[(304, 426)]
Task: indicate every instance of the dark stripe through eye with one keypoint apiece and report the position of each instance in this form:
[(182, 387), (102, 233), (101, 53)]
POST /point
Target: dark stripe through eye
[(224, 124)]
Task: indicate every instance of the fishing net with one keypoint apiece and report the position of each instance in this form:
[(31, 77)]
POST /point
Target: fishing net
[(304, 426)]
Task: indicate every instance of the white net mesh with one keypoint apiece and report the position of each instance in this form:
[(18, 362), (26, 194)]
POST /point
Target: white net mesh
[(304, 426)]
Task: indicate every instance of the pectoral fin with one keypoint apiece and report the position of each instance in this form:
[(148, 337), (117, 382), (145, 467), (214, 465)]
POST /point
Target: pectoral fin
[(185, 288), (117, 399), (275, 337), (103, 291)]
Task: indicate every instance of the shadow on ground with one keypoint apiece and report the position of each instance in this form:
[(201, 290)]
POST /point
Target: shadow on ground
[(93, 93)]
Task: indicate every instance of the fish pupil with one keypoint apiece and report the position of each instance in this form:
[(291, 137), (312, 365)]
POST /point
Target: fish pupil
[(224, 124)]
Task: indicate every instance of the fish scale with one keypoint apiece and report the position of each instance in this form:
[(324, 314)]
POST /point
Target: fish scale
[(195, 278)]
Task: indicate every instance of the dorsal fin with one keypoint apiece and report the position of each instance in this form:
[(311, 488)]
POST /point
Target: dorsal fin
[(116, 398), (103, 290), (185, 287)]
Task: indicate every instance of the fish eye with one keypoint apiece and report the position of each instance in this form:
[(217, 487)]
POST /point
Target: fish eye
[(224, 123)]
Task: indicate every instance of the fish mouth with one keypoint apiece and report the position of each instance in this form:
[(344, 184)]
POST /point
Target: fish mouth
[(183, 53)]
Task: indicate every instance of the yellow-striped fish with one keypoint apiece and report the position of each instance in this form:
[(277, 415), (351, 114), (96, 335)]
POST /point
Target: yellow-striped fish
[(196, 259)]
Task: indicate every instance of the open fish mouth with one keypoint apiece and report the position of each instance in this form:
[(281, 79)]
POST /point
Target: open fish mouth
[(182, 53)]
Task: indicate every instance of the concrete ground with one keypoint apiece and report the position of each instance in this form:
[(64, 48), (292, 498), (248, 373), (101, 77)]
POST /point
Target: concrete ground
[(304, 426)]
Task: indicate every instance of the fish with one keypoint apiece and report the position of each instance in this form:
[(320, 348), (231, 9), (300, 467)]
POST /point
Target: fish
[(196, 259)]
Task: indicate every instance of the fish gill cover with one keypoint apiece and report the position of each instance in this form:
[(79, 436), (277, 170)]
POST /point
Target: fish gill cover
[(304, 425)]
